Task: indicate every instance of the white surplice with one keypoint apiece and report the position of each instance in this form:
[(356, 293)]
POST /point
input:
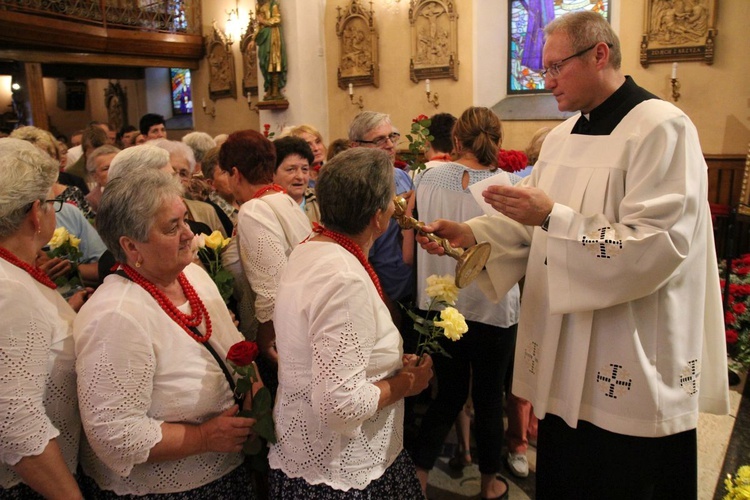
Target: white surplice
[(621, 319)]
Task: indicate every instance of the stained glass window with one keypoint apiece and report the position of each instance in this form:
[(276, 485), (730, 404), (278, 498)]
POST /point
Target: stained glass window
[(527, 19)]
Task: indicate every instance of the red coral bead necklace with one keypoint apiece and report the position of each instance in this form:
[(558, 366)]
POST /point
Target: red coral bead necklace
[(265, 189), (198, 310), (355, 250), (34, 271)]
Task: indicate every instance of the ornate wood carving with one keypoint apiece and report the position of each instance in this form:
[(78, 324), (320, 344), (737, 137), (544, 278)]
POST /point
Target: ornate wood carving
[(434, 40), (358, 46), (249, 58), (678, 31), (220, 65), (116, 101)]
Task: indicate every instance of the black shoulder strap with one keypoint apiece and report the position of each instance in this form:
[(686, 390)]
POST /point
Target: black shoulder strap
[(207, 345)]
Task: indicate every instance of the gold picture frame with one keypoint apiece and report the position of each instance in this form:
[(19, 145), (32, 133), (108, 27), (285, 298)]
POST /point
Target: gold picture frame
[(744, 205), (681, 30)]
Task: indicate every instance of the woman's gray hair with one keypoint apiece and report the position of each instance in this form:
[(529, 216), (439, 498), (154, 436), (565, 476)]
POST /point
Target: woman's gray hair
[(124, 210), (105, 150), (177, 148), (200, 143), (364, 122), (352, 187), (585, 28), (143, 157), (26, 175)]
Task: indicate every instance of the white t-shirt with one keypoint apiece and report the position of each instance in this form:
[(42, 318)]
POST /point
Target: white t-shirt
[(138, 368), (37, 373), (335, 338)]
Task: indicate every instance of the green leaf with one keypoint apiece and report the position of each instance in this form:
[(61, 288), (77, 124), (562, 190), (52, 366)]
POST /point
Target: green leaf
[(243, 386), (264, 428), (252, 446)]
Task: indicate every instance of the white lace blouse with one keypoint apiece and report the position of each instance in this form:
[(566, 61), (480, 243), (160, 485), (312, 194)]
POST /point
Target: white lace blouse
[(335, 338), (268, 229), (138, 368), (37, 373)]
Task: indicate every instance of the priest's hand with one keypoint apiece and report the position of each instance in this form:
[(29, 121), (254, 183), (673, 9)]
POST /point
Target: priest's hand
[(458, 235), (524, 204)]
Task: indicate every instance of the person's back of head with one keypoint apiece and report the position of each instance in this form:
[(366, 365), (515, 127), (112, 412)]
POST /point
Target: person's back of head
[(365, 122), (251, 153), (210, 162), (134, 159), (441, 129), (337, 146), (200, 143), (94, 137), (535, 145), (38, 137), (479, 131), (585, 29)]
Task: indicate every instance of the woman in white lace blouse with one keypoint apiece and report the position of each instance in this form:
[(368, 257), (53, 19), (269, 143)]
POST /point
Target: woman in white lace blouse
[(40, 427), (342, 372), (156, 400)]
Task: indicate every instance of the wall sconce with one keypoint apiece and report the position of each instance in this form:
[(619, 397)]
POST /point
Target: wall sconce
[(232, 28), (250, 105), (431, 99), (675, 83), (359, 102), (211, 113)]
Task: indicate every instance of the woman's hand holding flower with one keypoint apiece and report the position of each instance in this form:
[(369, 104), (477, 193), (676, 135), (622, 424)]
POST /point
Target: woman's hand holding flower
[(421, 371), (226, 433)]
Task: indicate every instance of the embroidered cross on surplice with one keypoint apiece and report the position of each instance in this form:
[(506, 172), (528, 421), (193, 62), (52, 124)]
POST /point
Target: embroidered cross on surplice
[(616, 384), (603, 242)]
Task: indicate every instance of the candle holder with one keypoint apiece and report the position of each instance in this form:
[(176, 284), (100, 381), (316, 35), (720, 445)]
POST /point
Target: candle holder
[(211, 113), (675, 89), (251, 106), (360, 103), (434, 99), (470, 261)]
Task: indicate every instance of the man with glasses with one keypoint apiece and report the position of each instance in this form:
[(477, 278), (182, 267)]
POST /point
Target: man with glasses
[(392, 254), (620, 341)]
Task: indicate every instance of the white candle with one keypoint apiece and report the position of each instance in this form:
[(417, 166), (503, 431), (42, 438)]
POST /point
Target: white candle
[(248, 98), (204, 103), (427, 85), (674, 71), (351, 89)]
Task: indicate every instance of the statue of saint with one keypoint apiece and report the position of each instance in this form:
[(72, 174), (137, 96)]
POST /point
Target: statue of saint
[(271, 52)]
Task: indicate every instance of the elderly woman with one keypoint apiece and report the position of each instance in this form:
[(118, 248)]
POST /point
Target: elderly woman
[(482, 357), (314, 139), (339, 409), (40, 428), (293, 160), (270, 224), (97, 167), (155, 395)]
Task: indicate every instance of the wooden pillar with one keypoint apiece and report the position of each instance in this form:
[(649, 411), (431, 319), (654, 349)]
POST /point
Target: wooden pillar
[(35, 92)]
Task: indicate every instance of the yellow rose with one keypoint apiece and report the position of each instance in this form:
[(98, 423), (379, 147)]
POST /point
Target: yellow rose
[(442, 288), (225, 243), (59, 237), (453, 323), (215, 240), (74, 242)]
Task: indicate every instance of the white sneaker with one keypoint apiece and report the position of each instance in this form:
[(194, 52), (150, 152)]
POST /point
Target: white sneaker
[(518, 464)]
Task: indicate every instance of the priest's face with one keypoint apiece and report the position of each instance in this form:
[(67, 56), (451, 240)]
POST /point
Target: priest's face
[(574, 85)]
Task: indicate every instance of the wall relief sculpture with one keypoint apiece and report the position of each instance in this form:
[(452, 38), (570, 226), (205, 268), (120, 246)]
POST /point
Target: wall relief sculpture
[(358, 46), (249, 58), (116, 101), (434, 40), (678, 30), (220, 65)]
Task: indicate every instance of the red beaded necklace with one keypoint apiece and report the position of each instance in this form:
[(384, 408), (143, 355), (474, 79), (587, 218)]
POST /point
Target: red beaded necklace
[(34, 271), (198, 310), (265, 189), (442, 157), (355, 250)]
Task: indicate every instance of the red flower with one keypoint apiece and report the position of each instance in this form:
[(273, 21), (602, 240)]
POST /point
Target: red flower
[(731, 336), (243, 353), (741, 271), (739, 307), (420, 118), (512, 161), (266, 126), (729, 318)]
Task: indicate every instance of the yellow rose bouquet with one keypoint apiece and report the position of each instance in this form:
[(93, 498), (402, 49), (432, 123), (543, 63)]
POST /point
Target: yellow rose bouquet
[(66, 246), (209, 249), (738, 487), (441, 320)]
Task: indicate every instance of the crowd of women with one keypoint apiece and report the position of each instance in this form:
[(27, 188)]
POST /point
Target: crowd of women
[(124, 388)]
